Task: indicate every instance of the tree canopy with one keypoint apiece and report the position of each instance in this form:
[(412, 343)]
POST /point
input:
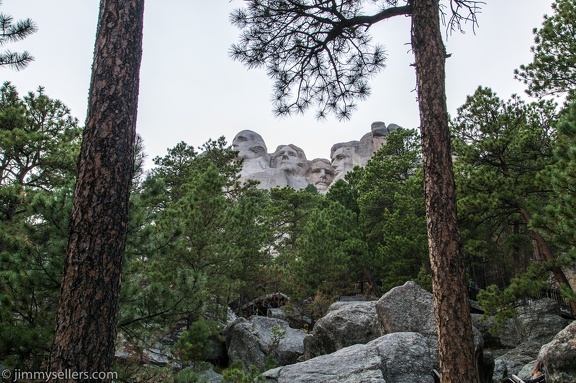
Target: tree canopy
[(553, 68), (10, 32), (320, 53)]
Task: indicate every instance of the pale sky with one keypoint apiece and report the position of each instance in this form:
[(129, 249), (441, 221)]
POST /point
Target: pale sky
[(190, 89)]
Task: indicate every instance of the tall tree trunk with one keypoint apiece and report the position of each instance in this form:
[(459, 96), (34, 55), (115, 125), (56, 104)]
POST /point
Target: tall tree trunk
[(453, 321), (88, 307)]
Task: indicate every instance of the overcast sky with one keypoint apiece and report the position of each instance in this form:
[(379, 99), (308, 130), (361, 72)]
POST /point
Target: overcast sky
[(190, 89)]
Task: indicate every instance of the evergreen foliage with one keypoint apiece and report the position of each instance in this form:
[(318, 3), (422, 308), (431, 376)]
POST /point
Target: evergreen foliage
[(194, 343), (559, 217), (12, 32), (553, 68), (500, 147), (284, 217), (199, 245), (199, 241), (330, 251), (391, 203), (39, 143)]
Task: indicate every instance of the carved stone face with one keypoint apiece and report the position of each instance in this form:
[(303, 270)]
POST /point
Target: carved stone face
[(321, 174), (286, 158), (249, 145), (379, 135), (342, 161)]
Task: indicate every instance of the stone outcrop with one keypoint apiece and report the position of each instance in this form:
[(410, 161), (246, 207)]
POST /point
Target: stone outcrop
[(559, 356), (517, 342), (345, 324), (252, 340), (391, 340), (393, 358), (407, 352), (540, 320), (410, 308), (288, 165)]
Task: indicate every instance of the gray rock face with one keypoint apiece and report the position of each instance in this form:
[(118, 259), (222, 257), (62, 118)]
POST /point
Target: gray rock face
[(508, 337), (518, 357), (409, 308), (288, 165), (540, 320), (345, 324), (320, 174), (344, 157), (252, 340), (392, 358), (536, 324), (291, 160), (394, 340), (559, 356)]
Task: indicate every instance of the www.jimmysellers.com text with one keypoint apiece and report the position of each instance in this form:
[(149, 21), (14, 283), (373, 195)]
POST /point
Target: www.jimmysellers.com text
[(18, 375)]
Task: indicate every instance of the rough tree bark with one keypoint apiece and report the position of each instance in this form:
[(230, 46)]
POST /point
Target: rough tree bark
[(87, 312), (453, 321)]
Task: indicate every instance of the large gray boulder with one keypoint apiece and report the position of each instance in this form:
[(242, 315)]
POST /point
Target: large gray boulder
[(535, 325), (540, 320), (504, 335), (392, 358), (253, 340), (410, 308), (559, 356), (518, 357), (407, 308), (345, 324)]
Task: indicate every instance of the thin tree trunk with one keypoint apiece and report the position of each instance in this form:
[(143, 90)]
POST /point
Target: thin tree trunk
[(453, 321), (87, 312), (543, 252)]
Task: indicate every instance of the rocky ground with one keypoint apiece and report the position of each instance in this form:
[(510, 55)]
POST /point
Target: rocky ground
[(393, 340)]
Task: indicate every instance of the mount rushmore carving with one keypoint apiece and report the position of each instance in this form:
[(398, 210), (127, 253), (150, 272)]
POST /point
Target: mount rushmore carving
[(288, 165)]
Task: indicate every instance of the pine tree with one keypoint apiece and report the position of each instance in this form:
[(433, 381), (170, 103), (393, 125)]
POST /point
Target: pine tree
[(501, 148), (88, 307), (559, 218), (320, 53), (39, 144), (553, 68), (391, 202), (10, 32)]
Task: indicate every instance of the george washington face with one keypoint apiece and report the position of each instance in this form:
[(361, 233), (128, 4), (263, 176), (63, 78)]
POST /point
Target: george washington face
[(249, 145)]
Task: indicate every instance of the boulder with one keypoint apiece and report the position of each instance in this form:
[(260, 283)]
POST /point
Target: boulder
[(293, 315), (498, 336), (516, 358), (559, 356), (392, 358), (540, 320), (500, 371), (535, 325), (253, 340), (210, 376), (409, 308), (345, 324)]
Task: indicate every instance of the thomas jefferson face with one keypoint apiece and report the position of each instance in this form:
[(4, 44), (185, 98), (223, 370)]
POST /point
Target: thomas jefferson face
[(286, 158), (249, 145), (342, 161), (321, 174)]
